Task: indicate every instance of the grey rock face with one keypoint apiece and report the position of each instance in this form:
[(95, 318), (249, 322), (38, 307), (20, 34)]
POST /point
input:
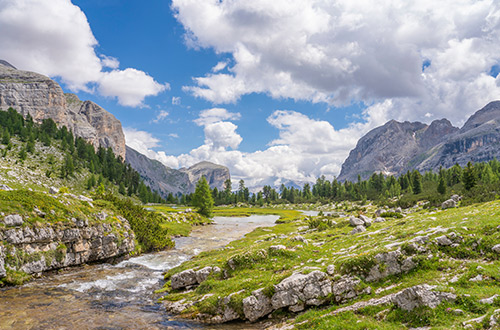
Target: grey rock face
[(5, 187), (388, 149), (389, 263), (167, 180), (42, 98), (183, 279), (395, 147), (421, 295), (54, 248), (347, 288), (13, 220), (3, 272), (257, 305), (299, 290), (190, 277)]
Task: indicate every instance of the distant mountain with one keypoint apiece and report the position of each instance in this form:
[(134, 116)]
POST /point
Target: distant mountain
[(167, 180), (396, 147), (42, 98)]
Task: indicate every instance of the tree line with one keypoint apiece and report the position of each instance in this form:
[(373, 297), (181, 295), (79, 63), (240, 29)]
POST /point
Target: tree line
[(476, 182), (105, 167)]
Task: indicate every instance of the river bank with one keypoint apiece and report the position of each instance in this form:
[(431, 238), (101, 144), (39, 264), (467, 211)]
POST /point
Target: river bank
[(116, 296)]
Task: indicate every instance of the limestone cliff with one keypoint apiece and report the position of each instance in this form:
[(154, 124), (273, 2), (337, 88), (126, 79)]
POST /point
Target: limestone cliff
[(34, 249), (42, 98)]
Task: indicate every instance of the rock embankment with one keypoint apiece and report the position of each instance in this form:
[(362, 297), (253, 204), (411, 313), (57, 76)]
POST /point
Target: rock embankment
[(37, 248)]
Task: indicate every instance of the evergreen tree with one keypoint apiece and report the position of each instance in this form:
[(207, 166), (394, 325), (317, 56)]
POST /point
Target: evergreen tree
[(416, 182), (202, 198), (469, 177), (441, 188)]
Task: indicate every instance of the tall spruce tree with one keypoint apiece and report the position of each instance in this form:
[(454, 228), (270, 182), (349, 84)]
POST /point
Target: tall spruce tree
[(202, 198)]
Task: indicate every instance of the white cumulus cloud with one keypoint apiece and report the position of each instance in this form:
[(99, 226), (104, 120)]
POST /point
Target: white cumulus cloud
[(54, 38), (341, 51), (210, 116)]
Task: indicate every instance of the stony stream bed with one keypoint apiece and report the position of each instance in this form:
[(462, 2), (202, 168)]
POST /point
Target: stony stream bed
[(117, 296)]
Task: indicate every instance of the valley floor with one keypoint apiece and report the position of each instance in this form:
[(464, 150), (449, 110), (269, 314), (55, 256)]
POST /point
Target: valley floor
[(423, 268)]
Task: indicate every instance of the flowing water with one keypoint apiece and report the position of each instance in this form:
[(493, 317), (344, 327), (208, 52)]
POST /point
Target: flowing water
[(118, 296)]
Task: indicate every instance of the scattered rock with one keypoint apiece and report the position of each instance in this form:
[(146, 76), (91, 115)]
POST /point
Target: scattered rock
[(13, 220), (53, 190), (358, 229), (5, 187), (421, 295), (496, 248), (354, 222), (347, 288), (443, 240), (330, 270), (101, 216), (389, 263), (191, 277), (299, 290), (257, 305), (450, 203), (367, 222), (478, 278), (183, 279), (379, 219), (456, 198), (490, 300), (277, 247)]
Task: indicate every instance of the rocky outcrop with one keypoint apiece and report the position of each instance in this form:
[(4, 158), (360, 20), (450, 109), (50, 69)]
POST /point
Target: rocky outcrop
[(166, 180), (34, 249), (421, 295), (42, 98), (394, 148), (191, 277), (390, 263)]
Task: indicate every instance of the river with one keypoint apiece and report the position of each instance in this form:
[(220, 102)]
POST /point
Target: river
[(113, 297)]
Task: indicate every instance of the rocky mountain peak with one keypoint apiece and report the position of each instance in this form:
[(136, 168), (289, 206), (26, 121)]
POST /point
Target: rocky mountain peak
[(42, 98), (167, 180), (397, 147), (7, 64), (488, 113)]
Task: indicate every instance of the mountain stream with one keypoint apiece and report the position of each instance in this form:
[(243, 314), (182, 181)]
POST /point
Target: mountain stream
[(115, 297)]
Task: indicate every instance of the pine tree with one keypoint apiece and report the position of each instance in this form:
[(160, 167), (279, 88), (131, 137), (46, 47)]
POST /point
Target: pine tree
[(441, 188), (202, 198), (416, 182), (469, 177)]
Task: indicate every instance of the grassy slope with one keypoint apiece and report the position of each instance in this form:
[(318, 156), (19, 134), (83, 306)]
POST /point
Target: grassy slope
[(476, 223)]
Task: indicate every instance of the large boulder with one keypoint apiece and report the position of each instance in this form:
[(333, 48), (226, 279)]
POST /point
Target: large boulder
[(257, 305), (299, 290), (191, 277), (447, 204), (421, 295)]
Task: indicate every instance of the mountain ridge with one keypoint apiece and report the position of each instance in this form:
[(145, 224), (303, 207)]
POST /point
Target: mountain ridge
[(396, 147)]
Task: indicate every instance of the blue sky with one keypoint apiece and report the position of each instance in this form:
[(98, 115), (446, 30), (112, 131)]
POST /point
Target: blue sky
[(276, 91)]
